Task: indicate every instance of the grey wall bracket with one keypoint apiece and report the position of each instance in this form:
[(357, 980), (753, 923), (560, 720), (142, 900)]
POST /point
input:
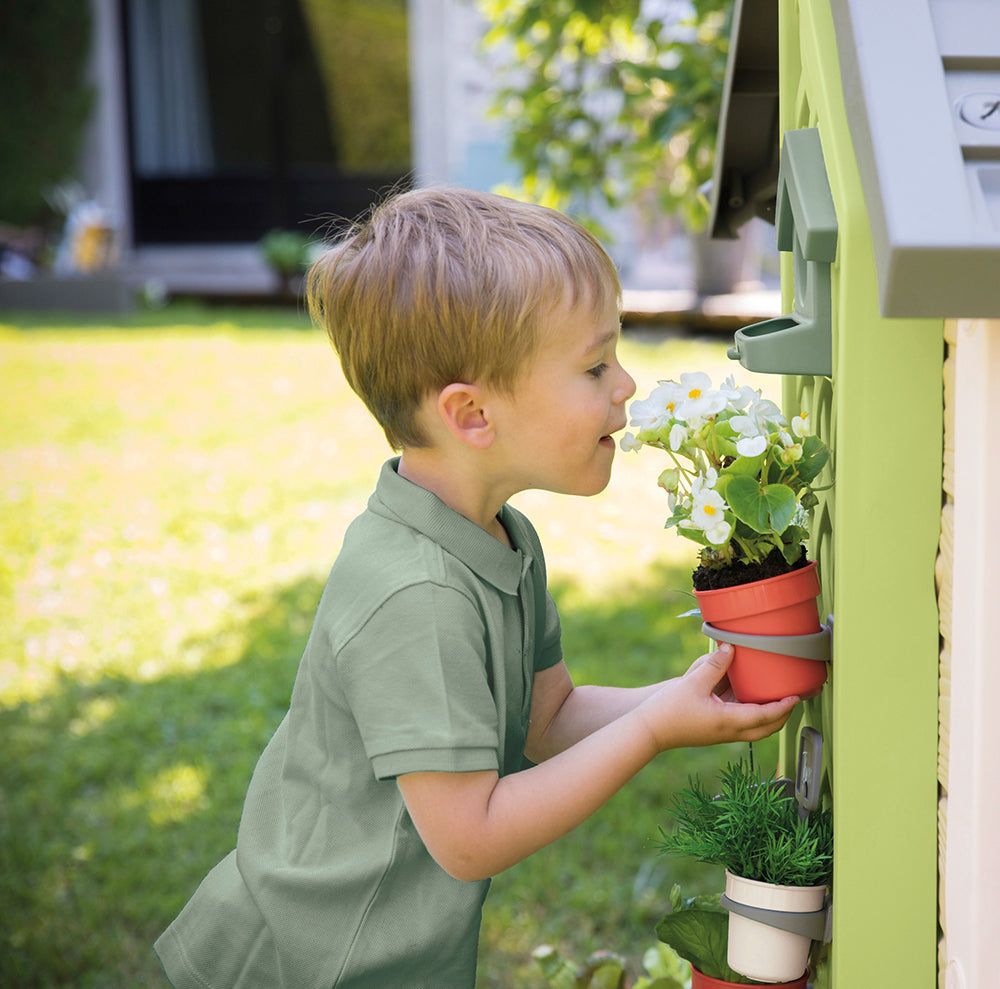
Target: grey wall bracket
[(800, 342), (815, 925), (816, 645)]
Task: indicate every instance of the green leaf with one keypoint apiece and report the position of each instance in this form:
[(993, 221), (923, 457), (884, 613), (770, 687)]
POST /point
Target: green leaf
[(781, 506), (665, 965), (745, 465), (701, 936), (791, 552), (747, 502), (767, 509), (695, 535), (814, 458)]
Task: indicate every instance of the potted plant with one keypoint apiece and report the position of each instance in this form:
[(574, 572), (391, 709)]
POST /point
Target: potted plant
[(740, 485), (775, 858), (697, 930)]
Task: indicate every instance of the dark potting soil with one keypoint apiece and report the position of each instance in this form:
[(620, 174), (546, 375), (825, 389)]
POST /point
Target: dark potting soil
[(774, 565)]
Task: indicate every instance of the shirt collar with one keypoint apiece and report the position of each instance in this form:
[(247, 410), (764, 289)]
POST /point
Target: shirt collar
[(422, 510)]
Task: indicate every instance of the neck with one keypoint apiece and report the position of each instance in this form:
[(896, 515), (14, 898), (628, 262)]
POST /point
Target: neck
[(461, 487)]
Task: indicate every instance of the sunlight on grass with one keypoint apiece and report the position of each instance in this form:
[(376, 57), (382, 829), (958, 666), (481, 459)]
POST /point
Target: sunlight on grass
[(171, 500), (174, 794)]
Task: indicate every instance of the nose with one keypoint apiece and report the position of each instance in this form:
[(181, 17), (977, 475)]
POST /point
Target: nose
[(625, 389)]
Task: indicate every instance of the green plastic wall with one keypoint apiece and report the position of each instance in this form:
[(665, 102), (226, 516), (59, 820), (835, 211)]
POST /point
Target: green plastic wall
[(875, 537)]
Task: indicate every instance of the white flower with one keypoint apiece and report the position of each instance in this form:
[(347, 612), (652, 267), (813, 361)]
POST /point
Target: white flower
[(765, 411), (678, 434), (629, 442), (657, 410), (740, 397), (697, 397), (753, 440), (708, 513), (719, 534), (752, 446), (800, 426), (754, 427), (800, 517), (704, 482)]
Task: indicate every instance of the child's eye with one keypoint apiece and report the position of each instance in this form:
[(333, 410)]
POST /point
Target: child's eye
[(598, 370)]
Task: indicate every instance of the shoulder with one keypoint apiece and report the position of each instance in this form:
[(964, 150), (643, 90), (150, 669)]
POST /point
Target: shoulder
[(386, 568)]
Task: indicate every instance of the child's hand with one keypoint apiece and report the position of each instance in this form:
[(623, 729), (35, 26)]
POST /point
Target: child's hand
[(699, 708)]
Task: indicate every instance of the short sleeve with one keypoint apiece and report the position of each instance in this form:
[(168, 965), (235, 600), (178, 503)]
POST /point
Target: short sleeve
[(415, 677), (550, 649)]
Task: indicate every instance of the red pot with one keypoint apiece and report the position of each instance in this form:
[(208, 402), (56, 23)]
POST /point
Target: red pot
[(783, 605), (701, 981)]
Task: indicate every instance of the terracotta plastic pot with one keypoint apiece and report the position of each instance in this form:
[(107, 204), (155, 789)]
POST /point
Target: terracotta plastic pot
[(783, 605), (701, 981), (758, 950)]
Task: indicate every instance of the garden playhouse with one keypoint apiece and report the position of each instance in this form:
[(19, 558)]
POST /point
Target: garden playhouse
[(869, 132)]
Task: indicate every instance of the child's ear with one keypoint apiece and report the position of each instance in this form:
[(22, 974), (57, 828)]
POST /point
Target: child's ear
[(463, 410)]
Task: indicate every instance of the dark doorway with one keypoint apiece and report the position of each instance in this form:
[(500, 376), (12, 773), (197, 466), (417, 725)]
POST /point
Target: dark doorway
[(251, 115)]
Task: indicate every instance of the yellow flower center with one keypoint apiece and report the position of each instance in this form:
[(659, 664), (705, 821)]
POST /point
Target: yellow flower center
[(709, 509), (694, 393)]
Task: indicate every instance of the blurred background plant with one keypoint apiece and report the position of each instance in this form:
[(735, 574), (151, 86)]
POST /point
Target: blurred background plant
[(288, 254), (612, 102)]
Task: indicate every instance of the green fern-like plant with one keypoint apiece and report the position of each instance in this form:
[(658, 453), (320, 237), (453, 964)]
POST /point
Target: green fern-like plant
[(753, 829)]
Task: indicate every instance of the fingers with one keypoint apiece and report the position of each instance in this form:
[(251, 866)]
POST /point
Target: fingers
[(767, 718)]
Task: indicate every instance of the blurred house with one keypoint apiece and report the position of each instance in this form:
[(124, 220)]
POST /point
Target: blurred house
[(217, 121)]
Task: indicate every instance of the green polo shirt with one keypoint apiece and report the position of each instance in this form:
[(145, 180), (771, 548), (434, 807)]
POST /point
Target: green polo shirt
[(421, 658)]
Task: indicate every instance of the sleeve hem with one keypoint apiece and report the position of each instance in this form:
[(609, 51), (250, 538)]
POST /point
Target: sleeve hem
[(549, 658), (392, 764)]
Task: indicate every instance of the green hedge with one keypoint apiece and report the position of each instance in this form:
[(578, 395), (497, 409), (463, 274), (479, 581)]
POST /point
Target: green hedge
[(46, 104)]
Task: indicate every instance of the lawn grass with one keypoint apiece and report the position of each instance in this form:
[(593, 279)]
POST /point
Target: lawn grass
[(173, 489)]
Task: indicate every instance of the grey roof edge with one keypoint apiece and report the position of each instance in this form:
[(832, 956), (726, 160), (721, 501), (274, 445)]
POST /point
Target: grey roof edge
[(937, 254), (745, 174)]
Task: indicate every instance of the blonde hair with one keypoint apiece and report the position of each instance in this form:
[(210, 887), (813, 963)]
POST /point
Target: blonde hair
[(445, 285)]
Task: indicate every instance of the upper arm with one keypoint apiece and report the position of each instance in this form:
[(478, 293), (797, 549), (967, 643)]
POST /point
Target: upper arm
[(448, 810), (551, 688)]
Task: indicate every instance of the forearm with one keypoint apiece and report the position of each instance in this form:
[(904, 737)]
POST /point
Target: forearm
[(512, 817), (585, 710)]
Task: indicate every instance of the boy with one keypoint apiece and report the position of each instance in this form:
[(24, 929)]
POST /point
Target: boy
[(481, 333)]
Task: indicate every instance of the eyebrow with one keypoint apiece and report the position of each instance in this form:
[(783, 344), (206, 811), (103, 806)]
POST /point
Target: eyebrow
[(600, 342)]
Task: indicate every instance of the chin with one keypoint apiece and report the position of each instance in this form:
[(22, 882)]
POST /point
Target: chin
[(592, 486)]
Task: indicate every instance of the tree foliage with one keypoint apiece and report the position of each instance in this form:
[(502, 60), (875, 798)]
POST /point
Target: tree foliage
[(606, 102)]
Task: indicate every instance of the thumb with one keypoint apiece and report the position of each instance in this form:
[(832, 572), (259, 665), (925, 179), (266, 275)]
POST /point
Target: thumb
[(715, 664)]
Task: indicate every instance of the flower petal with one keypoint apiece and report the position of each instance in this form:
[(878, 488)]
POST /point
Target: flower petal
[(719, 534), (751, 446)]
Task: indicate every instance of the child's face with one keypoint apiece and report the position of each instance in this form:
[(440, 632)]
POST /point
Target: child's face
[(556, 428)]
